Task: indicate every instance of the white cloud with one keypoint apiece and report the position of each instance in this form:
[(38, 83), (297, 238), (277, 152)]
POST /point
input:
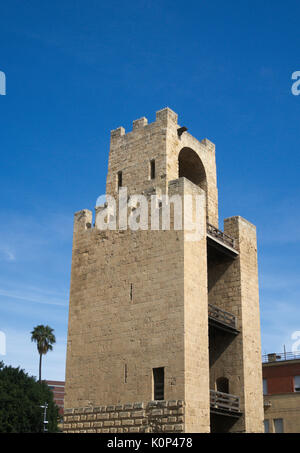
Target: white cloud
[(280, 317), (7, 254), (31, 297)]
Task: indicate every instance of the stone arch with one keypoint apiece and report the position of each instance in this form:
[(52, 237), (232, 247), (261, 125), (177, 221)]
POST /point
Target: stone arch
[(222, 385), (191, 167)]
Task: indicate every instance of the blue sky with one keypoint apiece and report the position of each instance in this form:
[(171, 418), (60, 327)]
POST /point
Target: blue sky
[(75, 70)]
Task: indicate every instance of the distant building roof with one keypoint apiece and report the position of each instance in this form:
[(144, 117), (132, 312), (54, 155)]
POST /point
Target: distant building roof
[(280, 357)]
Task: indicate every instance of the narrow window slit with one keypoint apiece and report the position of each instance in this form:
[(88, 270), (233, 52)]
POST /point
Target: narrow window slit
[(131, 291), (152, 169), (125, 373), (120, 178)]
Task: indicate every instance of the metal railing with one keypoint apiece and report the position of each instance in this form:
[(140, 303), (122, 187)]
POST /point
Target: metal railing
[(222, 316), (220, 235), (224, 401), (280, 357)]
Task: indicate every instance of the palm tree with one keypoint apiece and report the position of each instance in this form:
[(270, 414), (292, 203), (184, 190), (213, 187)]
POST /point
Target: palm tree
[(44, 338)]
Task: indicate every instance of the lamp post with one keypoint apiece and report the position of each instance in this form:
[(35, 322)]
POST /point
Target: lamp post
[(45, 421)]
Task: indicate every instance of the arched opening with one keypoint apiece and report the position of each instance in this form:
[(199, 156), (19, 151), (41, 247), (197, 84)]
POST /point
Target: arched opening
[(222, 384), (191, 167)]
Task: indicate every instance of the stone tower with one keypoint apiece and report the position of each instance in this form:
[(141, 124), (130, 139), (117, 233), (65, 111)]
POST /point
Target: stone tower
[(163, 332)]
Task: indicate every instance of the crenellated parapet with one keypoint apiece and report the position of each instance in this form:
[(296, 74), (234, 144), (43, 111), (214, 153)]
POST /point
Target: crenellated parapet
[(149, 156)]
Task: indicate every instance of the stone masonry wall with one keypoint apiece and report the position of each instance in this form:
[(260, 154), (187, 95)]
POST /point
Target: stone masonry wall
[(138, 301), (156, 416)]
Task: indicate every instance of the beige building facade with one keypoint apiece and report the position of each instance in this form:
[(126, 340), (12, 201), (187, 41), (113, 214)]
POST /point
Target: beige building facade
[(163, 331), (281, 385)]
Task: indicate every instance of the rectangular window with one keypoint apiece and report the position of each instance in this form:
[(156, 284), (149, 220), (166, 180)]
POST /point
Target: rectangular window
[(152, 169), (278, 425), (267, 426), (159, 383), (265, 386), (296, 383), (119, 179)]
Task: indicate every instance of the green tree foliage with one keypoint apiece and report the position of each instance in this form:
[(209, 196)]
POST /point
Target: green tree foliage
[(20, 399)]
